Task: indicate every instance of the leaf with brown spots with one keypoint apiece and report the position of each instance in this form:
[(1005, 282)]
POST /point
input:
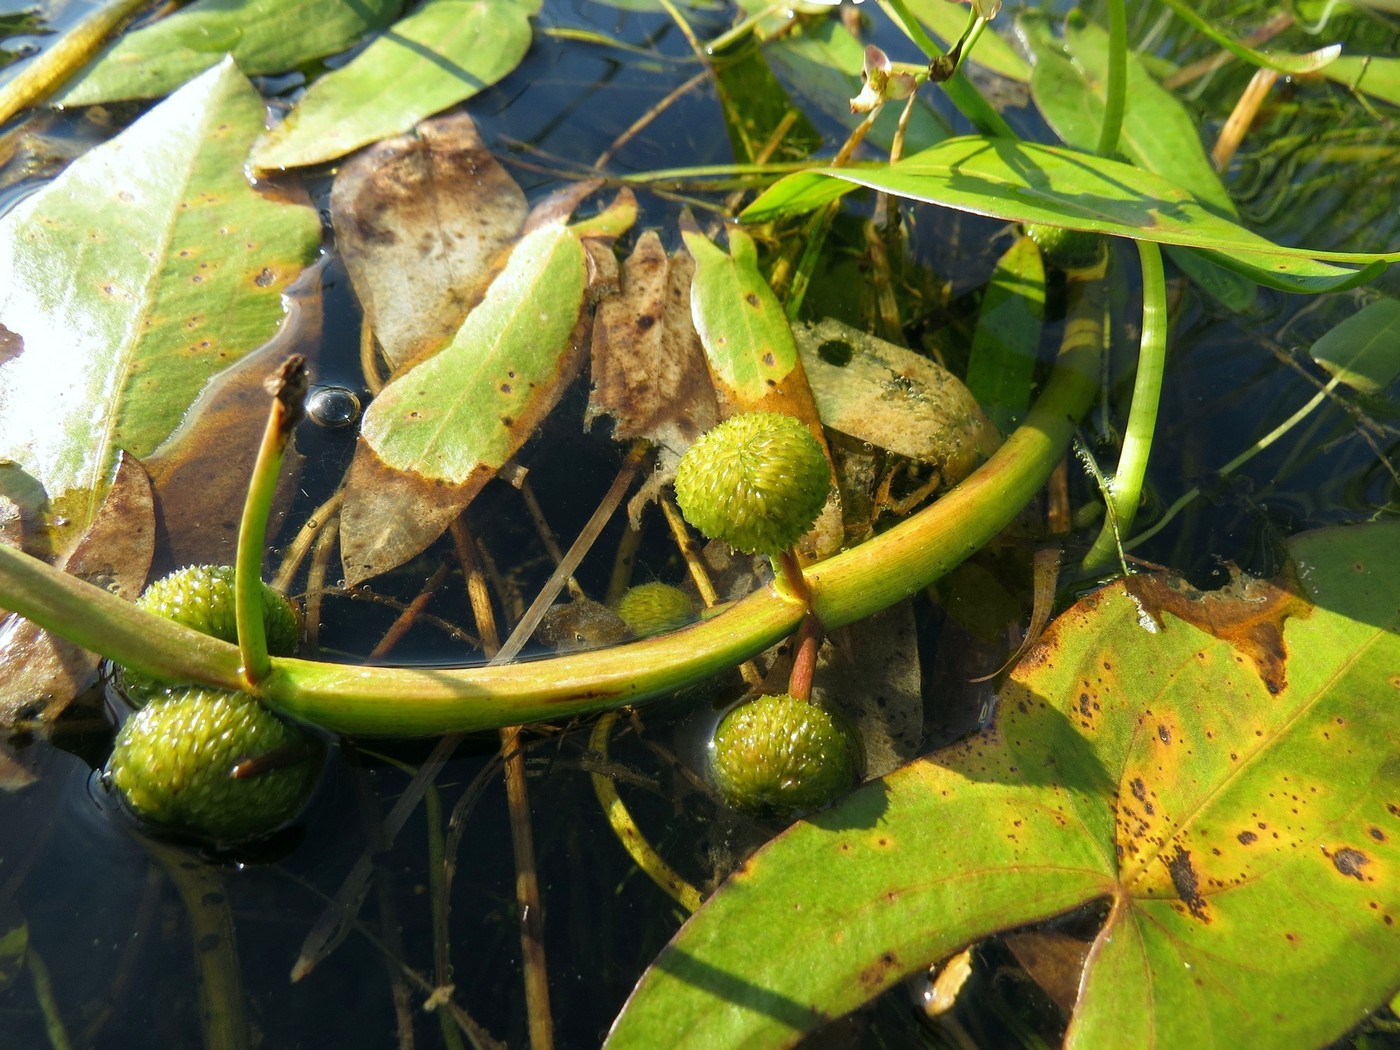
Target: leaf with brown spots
[(145, 268), (1237, 821), (419, 219), (438, 432)]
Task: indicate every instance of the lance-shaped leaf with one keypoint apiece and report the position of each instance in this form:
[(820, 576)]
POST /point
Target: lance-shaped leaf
[(1070, 85), (752, 355), (444, 53), (1026, 182), (146, 267), (418, 220), (264, 36), (1222, 771), (437, 433)]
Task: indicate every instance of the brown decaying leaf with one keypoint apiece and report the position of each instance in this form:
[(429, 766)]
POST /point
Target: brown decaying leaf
[(420, 221), (40, 673), (200, 473), (14, 775), (1054, 960), (648, 368)]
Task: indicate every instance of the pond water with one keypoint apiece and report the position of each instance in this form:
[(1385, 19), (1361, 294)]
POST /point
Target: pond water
[(131, 931)]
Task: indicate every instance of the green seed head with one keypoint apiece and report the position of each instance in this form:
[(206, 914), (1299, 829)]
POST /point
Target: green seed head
[(173, 760), (1069, 250), (201, 597), (756, 481), (779, 754), (654, 608)]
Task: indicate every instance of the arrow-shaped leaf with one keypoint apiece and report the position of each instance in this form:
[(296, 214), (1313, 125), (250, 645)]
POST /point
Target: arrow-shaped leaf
[(1223, 770)]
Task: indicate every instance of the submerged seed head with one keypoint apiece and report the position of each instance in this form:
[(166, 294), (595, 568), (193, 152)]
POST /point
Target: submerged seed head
[(1068, 250), (173, 762), (779, 754), (757, 481), (654, 608)]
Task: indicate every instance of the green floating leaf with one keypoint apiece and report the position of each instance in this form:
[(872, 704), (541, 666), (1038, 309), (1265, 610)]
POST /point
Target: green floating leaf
[(444, 53), (1221, 772), (1364, 350), (1070, 84), (437, 433), (149, 265), (264, 36), (1026, 182)]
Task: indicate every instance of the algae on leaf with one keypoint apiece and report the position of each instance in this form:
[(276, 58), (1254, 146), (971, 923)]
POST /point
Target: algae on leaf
[(146, 267)]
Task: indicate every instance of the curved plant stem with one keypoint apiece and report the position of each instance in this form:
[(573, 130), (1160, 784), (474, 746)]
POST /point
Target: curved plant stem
[(288, 389), (1117, 79), (625, 828), (50, 69), (1125, 487), (430, 701)]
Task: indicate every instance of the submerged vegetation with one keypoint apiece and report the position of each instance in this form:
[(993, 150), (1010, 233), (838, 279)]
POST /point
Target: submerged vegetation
[(1038, 369)]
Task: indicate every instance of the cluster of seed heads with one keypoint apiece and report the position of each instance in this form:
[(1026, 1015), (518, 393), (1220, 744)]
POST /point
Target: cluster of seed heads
[(173, 761)]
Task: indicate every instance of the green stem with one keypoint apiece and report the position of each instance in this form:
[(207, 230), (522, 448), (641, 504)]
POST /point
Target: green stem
[(424, 701), (961, 93), (1125, 488), (288, 389), (1117, 78), (48, 70)]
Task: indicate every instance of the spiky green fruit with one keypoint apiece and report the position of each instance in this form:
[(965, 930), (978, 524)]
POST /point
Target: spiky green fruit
[(757, 481), (776, 753), (202, 597), (173, 764), (653, 608), (1069, 250)]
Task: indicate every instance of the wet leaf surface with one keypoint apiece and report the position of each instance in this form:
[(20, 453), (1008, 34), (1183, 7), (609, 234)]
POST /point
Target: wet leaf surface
[(443, 53), (418, 220), (200, 474), (40, 673), (1226, 782), (146, 267), (264, 36)]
